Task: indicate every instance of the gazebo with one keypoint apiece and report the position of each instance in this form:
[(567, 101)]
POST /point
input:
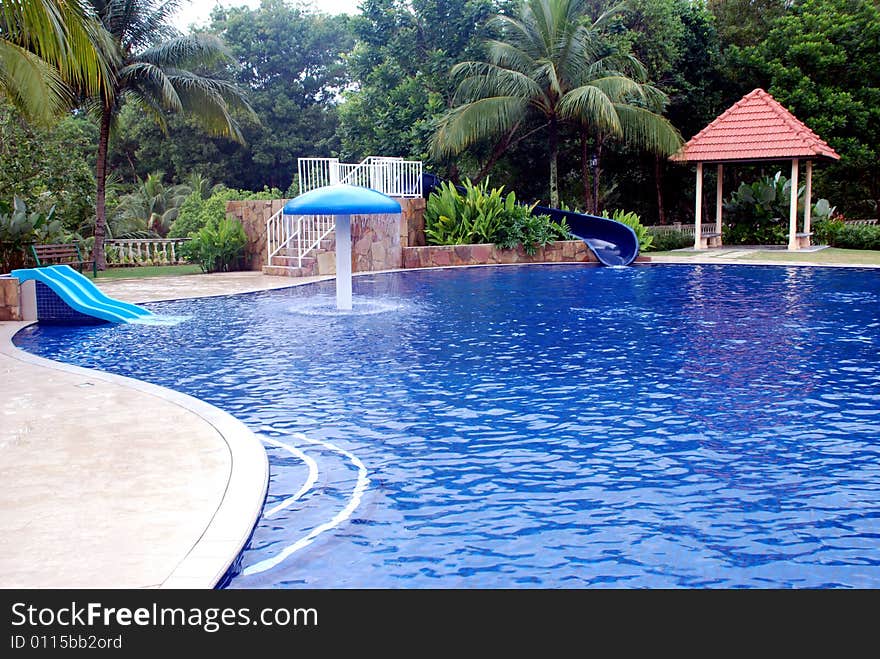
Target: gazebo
[(755, 129)]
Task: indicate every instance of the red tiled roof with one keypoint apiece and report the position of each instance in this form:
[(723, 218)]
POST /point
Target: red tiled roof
[(756, 127)]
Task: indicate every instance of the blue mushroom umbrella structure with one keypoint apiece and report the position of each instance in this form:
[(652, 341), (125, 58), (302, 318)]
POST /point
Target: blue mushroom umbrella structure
[(342, 201)]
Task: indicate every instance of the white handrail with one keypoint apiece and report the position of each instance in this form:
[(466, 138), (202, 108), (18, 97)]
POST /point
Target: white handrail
[(393, 176), (295, 236)]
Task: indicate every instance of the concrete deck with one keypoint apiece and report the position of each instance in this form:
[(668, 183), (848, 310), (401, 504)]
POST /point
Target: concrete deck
[(107, 482)]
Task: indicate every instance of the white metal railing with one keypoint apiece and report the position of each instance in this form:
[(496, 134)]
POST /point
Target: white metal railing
[(689, 229), (395, 177), (144, 251), (294, 236)]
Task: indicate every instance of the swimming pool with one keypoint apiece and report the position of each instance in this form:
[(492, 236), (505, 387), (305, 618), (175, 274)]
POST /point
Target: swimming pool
[(542, 426)]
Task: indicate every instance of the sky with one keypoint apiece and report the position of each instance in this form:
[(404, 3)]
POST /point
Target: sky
[(199, 11)]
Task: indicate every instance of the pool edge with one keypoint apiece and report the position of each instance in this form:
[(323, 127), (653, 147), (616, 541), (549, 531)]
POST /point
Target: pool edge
[(232, 522)]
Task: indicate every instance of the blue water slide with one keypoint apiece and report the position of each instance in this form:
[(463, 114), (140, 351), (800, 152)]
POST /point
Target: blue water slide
[(612, 242), (81, 294)]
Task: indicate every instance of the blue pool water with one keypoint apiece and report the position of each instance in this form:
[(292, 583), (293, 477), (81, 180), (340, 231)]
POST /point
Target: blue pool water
[(554, 427)]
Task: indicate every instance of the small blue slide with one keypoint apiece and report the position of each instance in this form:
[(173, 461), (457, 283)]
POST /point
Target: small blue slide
[(612, 242), (81, 294)]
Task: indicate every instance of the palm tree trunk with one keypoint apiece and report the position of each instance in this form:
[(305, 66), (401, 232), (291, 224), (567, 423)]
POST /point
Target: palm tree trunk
[(597, 202), (658, 182), (101, 192), (585, 171), (554, 155)]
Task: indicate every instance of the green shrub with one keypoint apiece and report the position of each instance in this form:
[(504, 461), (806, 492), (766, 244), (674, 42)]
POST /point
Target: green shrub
[(530, 231), (196, 212), (665, 241), (481, 215), (633, 221), (218, 246), (19, 229), (757, 213), (836, 233)]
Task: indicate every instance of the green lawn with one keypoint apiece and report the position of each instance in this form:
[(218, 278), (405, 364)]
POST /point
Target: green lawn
[(831, 256), (147, 271)]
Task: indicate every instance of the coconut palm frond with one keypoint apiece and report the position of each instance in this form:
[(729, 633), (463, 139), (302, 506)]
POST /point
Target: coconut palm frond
[(466, 124), (648, 130), (31, 84), (589, 104), (203, 50)]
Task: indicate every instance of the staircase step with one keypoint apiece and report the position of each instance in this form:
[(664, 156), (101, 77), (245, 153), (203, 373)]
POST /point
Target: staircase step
[(293, 262), (286, 271)]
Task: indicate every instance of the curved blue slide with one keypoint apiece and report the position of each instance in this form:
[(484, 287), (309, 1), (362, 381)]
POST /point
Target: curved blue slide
[(612, 242), (81, 294)]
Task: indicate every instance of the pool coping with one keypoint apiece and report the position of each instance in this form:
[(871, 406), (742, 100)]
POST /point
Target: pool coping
[(232, 521)]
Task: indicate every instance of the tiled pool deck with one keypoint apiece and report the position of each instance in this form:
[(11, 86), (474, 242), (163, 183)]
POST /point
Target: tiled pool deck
[(107, 482)]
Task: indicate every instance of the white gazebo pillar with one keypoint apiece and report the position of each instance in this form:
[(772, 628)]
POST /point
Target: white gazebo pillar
[(718, 193), (698, 219), (808, 198), (792, 209)]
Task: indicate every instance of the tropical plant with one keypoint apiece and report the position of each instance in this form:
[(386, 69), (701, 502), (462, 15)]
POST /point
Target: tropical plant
[(549, 66), (453, 218), (161, 71), (217, 246), (45, 44), (20, 228), (634, 222), (480, 215), (152, 204), (521, 227), (758, 212)]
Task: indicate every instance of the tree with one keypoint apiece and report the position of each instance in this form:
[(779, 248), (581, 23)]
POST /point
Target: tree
[(49, 167), (547, 64), (822, 61), (401, 66), (44, 45), (153, 205), (293, 70), (162, 72)]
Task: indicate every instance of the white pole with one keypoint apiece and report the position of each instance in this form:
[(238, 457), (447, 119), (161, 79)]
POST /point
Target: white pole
[(792, 209), (698, 211), (718, 192), (343, 262), (808, 197)]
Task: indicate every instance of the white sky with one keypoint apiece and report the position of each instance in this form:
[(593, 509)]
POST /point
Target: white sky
[(199, 11)]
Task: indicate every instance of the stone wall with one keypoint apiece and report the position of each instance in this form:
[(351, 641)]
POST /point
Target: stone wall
[(376, 240), (412, 222), (563, 251), (253, 215), (10, 305)]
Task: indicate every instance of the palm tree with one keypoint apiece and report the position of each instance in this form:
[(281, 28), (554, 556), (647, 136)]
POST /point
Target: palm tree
[(152, 205), (160, 70), (550, 65), (43, 44)]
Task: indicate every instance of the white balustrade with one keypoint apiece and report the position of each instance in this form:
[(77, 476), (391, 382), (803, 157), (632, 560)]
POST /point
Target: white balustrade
[(144, 251)]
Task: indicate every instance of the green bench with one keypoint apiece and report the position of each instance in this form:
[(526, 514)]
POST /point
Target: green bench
[(62, 253)]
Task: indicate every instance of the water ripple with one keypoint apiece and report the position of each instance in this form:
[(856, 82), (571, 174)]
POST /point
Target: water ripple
[(546, 427)]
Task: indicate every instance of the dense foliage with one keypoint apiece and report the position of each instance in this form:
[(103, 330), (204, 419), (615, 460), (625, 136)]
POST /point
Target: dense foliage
[(218, 246), (479, 215)]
